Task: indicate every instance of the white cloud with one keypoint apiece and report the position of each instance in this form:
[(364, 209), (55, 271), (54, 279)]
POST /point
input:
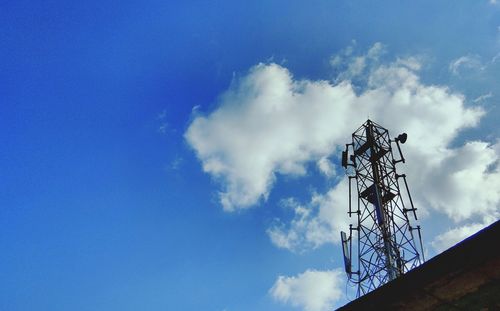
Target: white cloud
[(468, 182), (326, 167), (269, 123), (451, 237), (312, 290), (463, 63), (315, 223)]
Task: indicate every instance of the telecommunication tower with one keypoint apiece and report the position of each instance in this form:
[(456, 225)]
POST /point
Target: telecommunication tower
[(382, 239)]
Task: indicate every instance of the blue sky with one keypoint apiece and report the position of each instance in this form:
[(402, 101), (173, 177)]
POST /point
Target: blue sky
[(124, 125)]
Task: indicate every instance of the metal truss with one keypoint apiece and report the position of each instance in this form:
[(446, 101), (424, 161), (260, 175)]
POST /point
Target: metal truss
[(382, 236)]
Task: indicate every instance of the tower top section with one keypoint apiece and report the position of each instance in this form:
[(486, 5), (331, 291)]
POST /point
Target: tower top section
[(385, 244)]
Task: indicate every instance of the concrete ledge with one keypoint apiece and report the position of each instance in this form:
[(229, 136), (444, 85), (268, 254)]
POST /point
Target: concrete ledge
[(464, 277)]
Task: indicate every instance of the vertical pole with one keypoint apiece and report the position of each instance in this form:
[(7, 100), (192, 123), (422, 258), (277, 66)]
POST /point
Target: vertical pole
[(349, 181), (421, 246), (392, 271), (409, 196)]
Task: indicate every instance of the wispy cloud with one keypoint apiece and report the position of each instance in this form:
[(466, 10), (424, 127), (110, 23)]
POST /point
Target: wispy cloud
[(463, 63), (350, 66), (176, 163), (497, 56), (162, 115), (483, 97), (163, 128), (162, 119)]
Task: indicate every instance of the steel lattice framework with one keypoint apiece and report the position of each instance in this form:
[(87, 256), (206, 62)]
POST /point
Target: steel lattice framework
[(383, 236)]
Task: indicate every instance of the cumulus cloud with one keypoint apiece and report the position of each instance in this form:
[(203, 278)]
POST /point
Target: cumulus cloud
[(453, 236), (312, 290), (469, 181), (267, 123), (270, 123), (315, 223)]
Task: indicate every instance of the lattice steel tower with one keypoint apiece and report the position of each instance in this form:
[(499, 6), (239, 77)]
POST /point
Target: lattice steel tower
[(382, 238)]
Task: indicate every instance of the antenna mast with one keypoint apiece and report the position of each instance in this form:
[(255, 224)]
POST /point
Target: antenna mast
[(383, 237)]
